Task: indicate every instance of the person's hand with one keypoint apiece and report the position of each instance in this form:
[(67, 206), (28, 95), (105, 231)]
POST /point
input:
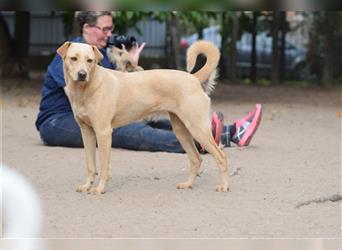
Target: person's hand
[(135, 51)]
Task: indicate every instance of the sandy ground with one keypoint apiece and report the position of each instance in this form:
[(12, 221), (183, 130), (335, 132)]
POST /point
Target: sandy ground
[(294, 158)]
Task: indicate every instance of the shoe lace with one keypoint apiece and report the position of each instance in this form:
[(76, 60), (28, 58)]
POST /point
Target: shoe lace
[(242, 129)]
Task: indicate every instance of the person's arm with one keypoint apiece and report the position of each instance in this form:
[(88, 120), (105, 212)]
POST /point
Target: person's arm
[(57, 73)]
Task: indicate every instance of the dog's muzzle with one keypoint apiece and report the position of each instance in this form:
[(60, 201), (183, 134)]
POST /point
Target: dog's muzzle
[(81, 75)]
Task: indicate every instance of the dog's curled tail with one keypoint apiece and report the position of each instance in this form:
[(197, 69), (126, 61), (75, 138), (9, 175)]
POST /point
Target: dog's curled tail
[(202, 60)]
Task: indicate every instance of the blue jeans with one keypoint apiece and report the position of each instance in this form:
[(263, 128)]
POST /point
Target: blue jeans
[(63, 130)]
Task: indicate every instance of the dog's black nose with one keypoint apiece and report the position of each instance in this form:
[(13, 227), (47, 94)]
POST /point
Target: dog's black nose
[(82, 75)]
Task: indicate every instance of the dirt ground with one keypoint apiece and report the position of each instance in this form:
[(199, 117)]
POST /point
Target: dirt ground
[(293, 161)]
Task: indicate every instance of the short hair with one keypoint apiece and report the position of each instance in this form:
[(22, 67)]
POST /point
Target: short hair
[(89, 17)]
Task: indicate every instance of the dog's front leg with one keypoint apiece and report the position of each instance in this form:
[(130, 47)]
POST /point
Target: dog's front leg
[(89, 141), (104, 140)]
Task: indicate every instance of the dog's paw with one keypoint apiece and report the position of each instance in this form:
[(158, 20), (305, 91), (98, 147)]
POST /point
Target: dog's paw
[(83, 188), (96, 191), (184, 185), (222, 188)]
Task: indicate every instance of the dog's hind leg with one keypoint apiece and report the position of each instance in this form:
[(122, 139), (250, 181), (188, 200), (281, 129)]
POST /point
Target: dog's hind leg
[(187, 142), (89, 141), (204, 136)]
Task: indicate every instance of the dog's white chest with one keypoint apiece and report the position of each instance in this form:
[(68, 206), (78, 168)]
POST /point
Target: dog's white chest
[(81, 114)]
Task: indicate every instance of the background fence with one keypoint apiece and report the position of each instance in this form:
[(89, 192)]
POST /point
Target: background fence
[(48, 31), (306, 40)]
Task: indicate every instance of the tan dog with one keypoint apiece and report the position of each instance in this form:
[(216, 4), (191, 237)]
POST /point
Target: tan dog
[(122, 59), (124, 63), (103, 99)]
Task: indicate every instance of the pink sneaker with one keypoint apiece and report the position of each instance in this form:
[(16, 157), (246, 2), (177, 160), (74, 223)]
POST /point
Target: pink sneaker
[(217, 126), (247, 126)]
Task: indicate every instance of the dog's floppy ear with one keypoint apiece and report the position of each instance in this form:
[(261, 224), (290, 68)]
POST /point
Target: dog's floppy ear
[(98, 55), (62, 50)]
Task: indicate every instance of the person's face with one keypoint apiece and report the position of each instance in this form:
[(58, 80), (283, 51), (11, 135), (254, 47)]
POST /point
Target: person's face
[(98, 34)]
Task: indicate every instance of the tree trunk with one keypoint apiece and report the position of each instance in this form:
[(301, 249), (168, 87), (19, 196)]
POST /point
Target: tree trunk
[(328, 49), (21, 41), (16, 65), (283, 28), (6, 46), (22, 34), (200, 33), (174, 40), (224, 35), (275, 48), (233, 54), (253, 72)]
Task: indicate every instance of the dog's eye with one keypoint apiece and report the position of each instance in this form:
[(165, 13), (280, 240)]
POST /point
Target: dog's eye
[(90, 60), (74, 58)]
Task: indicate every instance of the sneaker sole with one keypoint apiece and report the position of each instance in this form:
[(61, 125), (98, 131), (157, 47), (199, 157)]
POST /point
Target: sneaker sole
[(218, 130), (245, 140)]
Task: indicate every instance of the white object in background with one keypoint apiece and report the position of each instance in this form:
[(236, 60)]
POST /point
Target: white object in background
[(22, 212)]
